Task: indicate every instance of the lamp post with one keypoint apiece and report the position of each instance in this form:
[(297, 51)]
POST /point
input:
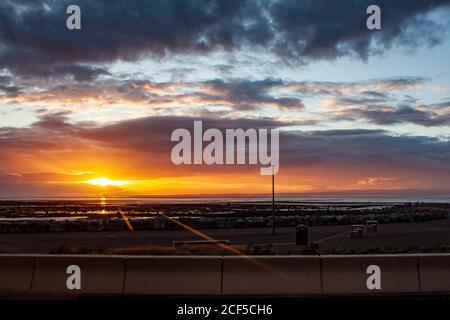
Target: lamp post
[(273, 202)]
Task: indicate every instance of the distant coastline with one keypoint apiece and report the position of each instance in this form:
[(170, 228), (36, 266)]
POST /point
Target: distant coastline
[(246, 199)]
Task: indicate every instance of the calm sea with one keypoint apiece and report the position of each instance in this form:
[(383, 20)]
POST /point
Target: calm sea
[(306, 200)]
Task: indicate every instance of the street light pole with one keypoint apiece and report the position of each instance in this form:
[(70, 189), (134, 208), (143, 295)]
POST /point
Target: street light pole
[(273, 201)]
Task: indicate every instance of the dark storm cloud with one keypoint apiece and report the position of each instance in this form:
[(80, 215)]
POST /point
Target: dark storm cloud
[(374, 102), (443, 105), (370, 89), (41, 64), (237, 94), (248, 94), (360, 100), (234, 93), (153, 133), (35, 41), (298, 149), (116, 30), (55, 122), (5, 79), (53, 131), (10, 90), (383, 115), (324, 29), (7, 88), (405, 114), (403, 82), (364, 147), (375, 94)]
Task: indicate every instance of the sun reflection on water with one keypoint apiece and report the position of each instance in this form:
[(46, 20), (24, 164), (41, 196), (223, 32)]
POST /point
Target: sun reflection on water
[(103, 204)]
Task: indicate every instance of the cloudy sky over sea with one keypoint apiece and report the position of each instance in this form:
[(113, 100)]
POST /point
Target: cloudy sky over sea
[(90, 112)]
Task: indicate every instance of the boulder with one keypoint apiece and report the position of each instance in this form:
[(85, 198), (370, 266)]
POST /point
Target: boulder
[(255, 222), (313, 220), (172, 225), (290, 221), (241, 223), (36, 226), (139, 224), (58, 226), (299, 220), (192, 222), (207, 223), (95, 225), (115, 224), (356, 219), (4, 226), (76, 225), (342, 220), (226, 223), (159, 223), (281, 221), (16, 227)]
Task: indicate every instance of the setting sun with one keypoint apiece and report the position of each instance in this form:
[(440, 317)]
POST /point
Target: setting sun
[(104, 182)]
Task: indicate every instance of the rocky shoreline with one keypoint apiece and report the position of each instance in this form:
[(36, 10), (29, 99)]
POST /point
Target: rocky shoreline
[(162, 223)]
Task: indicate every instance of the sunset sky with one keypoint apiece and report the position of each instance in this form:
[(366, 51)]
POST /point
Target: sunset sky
[(89, 112)]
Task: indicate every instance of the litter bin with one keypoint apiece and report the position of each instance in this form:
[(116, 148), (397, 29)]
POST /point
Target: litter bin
[(301, 235)]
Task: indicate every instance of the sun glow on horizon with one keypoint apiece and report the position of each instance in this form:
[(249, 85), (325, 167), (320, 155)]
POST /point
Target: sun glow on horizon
[(105, 182)]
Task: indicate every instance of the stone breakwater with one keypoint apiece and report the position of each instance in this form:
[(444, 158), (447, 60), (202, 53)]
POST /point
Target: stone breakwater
[(161, 223)]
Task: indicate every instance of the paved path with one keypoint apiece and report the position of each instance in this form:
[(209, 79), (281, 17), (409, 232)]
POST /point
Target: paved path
[(400, 234), (45, 242)]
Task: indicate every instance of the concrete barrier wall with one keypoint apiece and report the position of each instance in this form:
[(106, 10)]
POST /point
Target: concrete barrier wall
[(48, 275), (174, 275), (434, 272), (349, 274), (98, 275), (16, 274), (271, 275)]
